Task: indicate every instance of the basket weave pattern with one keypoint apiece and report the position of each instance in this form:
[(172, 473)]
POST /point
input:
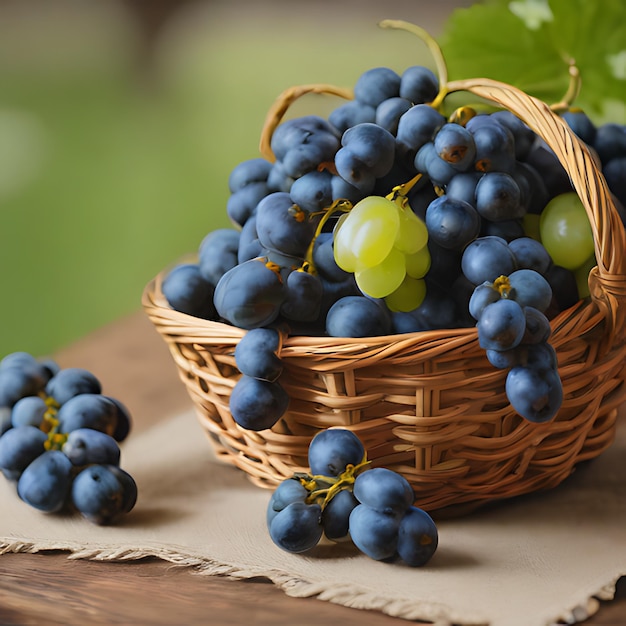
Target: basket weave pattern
[(429, 405)]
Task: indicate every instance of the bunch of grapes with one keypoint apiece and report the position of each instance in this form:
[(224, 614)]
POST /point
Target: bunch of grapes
[(343, 499), (367, 223), (59, 439)]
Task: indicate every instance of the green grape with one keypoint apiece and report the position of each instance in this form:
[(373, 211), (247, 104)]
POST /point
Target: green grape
[(565, 231), (418, 264), (582, 276), (384, 278), (408, 296), (412, 234), (344, 257), (368, 232), (530, 222)]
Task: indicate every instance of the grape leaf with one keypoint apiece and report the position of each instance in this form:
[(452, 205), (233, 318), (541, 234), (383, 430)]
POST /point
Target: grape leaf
[(529, 44)]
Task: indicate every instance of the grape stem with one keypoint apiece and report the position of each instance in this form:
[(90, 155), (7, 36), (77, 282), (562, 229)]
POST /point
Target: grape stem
[(572, 92)]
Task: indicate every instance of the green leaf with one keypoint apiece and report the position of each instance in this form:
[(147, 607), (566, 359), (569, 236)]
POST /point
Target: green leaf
[(529, 44)]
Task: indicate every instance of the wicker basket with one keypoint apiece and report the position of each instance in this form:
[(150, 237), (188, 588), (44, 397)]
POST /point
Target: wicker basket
[(429, 405)]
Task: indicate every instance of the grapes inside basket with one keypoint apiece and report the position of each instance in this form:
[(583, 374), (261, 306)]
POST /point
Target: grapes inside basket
[(445, 282)]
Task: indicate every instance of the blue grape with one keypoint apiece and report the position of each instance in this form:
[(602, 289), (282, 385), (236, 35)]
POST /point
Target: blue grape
[(505, 229), (377, 85), (501, 325), (302, 143), (70, 382), (88, 410), (279, 179), (250, 294), (463, 186), (563, 285), (288, 491), (254, 170), (303, 296), (495, 145), (17, 383), (530, 254), (438, 310), (45, 483), (384, 490), (452, 223), (610, 141), (529, 288), (20, 446), (536, 394), (418, 537), (538, 328), (249, 245), (415, 128), (374, 533), (429, 163), (580, 123), (103, 493), (123, 420), (543, 159), (336, 515), (188, 291), (218, 253), (313, 191), (533, 190), (357, 316), (86, 446), (482, 295), (332, 450), (506, 359), (455, 145), (498, 197), (389, 112), (283, 226), (256, 354), (29, 411), (350, 114), (297, 528), (615, 174), (419, 84), (257, 404), (523, 136), (241, 205), (324, 259), (486, 258)]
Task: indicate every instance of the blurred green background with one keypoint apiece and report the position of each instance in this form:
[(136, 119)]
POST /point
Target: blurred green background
[(119, 125)]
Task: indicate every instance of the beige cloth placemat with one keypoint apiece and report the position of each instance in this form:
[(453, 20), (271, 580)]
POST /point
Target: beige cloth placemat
[(530, 562)]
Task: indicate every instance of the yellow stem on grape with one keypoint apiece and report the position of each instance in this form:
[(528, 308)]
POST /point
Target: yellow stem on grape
[(573, 89)]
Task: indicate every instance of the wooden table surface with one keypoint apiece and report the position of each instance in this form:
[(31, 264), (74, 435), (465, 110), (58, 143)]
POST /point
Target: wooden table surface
[(47, 589)]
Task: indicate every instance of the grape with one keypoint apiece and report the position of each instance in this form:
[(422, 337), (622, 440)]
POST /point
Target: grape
[(251, 171), (495, 145), (529, 288), (332, 450), (506, 359), (324, 258), (455, 145), (188, 291), (5, 419), (350, 114), (418, 264), (486, 258), (255, 354), (257, 404), (438, 309), (357, 316), (313, 191), (452, 223), (374, 533), (19, 446), (555, 178), (218, 253), (250, 294), (533, 190), (610, 141), (582, 126), (29, 411), (501, 325), (523, 136), (536, 394), (249, 245), (538, 328), (366, 235), (482, 295), (384, 490), (505, 229), (462, 186), (376, 85), (302, 143), (297, 528), (103, 493), (303, 296), (288, 491), (615, 173), (241, 205), (278, 179), (429, 163), (45, 483), (389, 112), (498, 197), (530, 254), (336, 515), (418, 537), (88, 410), (419, 84), (416, 128), (86, 446), (123, 420), (408, 296), (384, 278), (16, 383), (565, 231), (564, 286), (70, 382)]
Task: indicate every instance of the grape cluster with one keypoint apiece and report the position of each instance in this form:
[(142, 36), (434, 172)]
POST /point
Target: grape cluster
[(368, 223), (59, 439), (344, 499)]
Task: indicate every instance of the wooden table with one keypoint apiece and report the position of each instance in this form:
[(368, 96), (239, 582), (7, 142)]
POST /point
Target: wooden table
[(134, 365)]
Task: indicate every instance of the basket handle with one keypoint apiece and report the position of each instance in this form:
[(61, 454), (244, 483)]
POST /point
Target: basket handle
[(607, 281)]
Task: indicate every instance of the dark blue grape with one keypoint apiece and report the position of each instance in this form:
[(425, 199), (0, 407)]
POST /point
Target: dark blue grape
[(505, 229), (384, 490), (529, 288), (88, 410), (418, 537), (438, 309), (256, 354), (303, 296), (17, 383), (419, 84), (350, 114), (538, 328), (495, 145), (250, 294), (188, 291), (20, 446), (123, 421), (429, 163), (455, 145), (530, 254), (29, 411), (324, 259), (533, 191), (218, 253), (103, 493), (374, 533), (251, 171), (297, 528), (45, 483), (336, 515), (377, 85), (536, 394), (564, 286), (482, 295), (288, 491), (70, 382), (357, 316), (610, 141), (415, 128), (86, 446), (257, 404), (501, 325), (555, 178), (389, 112), (279, 179), (452, 223), (249, 245), (506, 359), (332, 450), (524, 137), (498, 197), (486, 258), (581, 124), (242, 204), (313, 191), (615, 173), (463, 186)]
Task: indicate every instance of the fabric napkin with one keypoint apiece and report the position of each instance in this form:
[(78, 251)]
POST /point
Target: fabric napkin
[(527, 562)]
